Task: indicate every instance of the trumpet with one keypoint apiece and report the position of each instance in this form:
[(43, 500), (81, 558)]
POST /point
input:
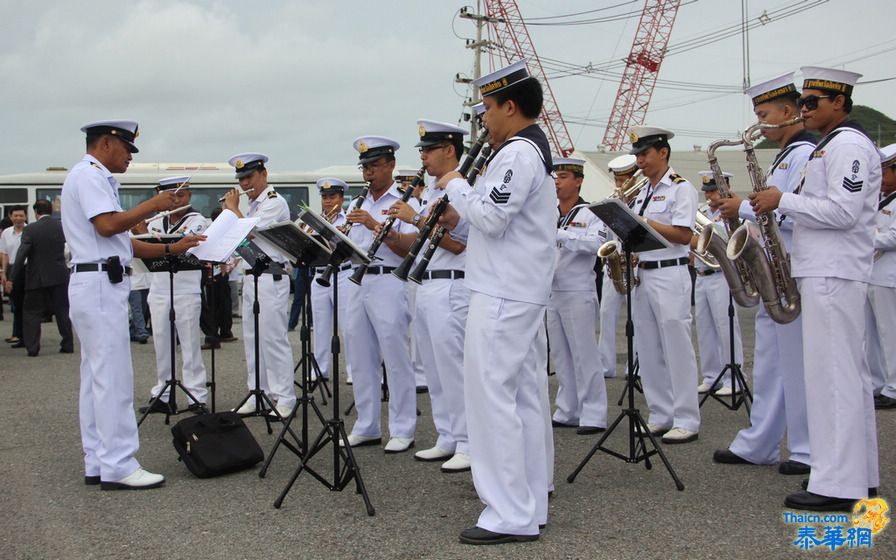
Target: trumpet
[(700, 224), (242, 193), (611, 251), (631, 186), (324, 278), (166, 213)]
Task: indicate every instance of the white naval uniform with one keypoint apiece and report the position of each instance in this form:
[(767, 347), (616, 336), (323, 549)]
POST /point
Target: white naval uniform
[(662, 311), (274, 351), (416, 362), (779, 385), (439, 326), (99, 314), (377, 328), (711, 315), (833, 240), (187, 307), (512, 213), (322, 310), (881, 303), (571, 319), (611, 303)]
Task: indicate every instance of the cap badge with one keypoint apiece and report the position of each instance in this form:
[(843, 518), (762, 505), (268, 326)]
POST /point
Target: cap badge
[(633, 137), (240, 164), (326, 185), (422, 131), (362, 147)]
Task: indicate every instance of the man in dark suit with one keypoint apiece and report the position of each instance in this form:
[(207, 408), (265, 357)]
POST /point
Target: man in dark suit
[(44, 278)]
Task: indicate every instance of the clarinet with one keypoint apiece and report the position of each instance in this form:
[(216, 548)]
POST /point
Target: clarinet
[(418, 272), (423, 237), (359, 272), (324, 278)]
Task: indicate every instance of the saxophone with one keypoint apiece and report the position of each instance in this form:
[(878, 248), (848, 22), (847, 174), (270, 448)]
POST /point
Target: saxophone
[(769, 265), (737, 274), (611, 251)]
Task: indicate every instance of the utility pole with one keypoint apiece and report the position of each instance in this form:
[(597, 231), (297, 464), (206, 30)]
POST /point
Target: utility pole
[(478, 46)]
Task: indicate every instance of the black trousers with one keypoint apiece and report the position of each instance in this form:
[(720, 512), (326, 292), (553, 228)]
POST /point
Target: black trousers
[(35, 306)]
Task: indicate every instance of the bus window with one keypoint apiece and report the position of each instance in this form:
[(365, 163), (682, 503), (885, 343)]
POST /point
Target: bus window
[(128, 198), (296, 197), (14, 196)]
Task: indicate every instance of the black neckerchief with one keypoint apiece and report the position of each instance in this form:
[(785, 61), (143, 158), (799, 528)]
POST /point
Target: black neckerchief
[(168, 229), (886, 200), (564, 221), (799, 139), (535, 136)]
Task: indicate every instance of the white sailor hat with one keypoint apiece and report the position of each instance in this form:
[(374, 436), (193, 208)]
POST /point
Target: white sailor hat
[(372, 148), (502, 78), (433, 133), (247, 163), (331, 185), (888, 155), (643, 137), (168, 183), (126, 130), (829, 79), (403, 175), (782, 86), (575, 166), (709, 180), (623, 165), (479, 108)]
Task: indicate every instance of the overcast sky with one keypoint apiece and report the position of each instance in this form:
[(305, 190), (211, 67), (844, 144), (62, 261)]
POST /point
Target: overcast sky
[(299, 80)]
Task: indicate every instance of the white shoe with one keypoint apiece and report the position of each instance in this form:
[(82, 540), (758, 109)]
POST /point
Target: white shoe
[(654, 429), (433, 454), (679, 435), (283, 410), (399, 445), (459, 463), (361, 441), (703, 388), (137, 480), (247, 408), (724, 392)]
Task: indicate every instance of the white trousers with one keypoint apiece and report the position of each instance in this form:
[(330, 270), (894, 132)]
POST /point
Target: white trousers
[(274, 352), (582, 393), (505, 390), (711, 304), (839, 398), (416, 361), (322, 309), (439, 330), (611, 302), (186, 325), (880, 312), (662, 317), (779, 395), (99, 314), (377, 327)]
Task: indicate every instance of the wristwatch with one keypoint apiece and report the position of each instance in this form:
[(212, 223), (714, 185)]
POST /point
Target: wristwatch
[(416, 219)]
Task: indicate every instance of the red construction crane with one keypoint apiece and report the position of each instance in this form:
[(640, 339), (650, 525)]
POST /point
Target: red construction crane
[(641, 69), (507, 28)]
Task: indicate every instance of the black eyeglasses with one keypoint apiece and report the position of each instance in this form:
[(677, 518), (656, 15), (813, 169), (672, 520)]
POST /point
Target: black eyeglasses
[(811, 101), (427, 149)]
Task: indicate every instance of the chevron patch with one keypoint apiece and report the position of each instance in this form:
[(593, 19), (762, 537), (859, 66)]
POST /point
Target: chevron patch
[(498, 197), (852, 186)]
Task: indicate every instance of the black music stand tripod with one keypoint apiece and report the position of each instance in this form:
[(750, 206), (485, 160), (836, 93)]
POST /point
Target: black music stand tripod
[(172, 384), (345, 467), (740, 392), (635, 236)]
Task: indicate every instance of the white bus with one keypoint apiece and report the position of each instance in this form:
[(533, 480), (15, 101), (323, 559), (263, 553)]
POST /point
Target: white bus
[(210, 182)]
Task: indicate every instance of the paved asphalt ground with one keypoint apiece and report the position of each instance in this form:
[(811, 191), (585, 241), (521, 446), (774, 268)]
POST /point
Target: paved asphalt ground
[(612, 510)]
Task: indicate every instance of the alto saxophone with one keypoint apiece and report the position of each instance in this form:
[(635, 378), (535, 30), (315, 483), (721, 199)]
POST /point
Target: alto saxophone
[(769, 265), (611, 251)]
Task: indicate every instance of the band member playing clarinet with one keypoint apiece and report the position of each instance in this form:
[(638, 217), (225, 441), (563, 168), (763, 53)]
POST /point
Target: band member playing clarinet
[(512, 214), (833, 246), (441, 310), (882, 291)]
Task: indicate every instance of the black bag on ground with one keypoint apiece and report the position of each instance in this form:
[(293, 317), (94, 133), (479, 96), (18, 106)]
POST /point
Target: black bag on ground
[(215, 444)]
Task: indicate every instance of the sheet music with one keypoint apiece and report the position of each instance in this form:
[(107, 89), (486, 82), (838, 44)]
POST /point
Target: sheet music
[(628, 226), (224, 235)]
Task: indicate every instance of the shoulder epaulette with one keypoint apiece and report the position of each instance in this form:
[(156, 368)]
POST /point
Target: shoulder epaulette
[(272, 194), (676, 178)]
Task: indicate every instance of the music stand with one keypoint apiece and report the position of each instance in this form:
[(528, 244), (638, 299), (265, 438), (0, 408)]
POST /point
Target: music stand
[(171, 264), (739, 395), (635, 236), (345, 467)]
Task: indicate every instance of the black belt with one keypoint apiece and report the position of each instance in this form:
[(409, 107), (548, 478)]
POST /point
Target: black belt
[(96, 267), (708, 272), (380, 269), (345, 266), (648, 265), (443, 274)]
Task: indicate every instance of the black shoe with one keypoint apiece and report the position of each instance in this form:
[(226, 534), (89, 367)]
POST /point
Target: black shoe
[(793, 467), (33, 354), (422, 389), (140, 339), (198, 408), (159, 407), (882, 402), (815, 502), (66, 351), (588, 430), (92, 480), (557, 424), (477, 535), (18, 344), (210, 345), (728, 457), (872, 492)]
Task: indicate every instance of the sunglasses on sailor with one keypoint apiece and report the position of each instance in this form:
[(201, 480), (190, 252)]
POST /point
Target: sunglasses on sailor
[(810, 102)]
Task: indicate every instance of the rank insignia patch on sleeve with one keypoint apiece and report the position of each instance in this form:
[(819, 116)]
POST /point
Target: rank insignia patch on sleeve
[(499, 197), (852, 186)]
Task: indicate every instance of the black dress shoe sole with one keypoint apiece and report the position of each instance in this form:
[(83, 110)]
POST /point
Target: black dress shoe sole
[(369, 442), (688, 439), (119, 486), (814, 502), (555, 424), (483, 537), (793, 468), (589, 430), (728, 457), (91, 480), (452, 471)]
